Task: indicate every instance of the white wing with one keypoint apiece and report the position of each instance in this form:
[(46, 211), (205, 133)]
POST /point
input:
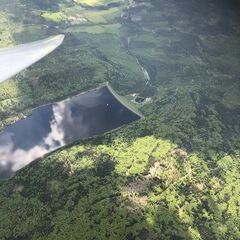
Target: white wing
[(15, 59)]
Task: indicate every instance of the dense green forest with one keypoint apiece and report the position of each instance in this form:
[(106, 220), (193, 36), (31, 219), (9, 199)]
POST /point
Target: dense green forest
[(174, 174)]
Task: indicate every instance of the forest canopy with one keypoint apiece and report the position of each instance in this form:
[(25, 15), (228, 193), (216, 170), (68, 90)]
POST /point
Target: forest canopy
[(174, 174)]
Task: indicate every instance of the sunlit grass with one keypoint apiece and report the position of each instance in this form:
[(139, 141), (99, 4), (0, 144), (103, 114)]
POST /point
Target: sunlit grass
[(97, 29), (102, 16), (54, 16), (93, 2)]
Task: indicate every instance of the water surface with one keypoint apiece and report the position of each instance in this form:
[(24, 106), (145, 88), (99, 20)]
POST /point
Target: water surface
[(55, 125)]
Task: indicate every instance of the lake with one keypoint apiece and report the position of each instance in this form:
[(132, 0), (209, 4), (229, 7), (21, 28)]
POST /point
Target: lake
[(55, 125)]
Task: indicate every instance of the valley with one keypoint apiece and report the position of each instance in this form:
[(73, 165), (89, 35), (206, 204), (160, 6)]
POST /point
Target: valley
[(173, 174)]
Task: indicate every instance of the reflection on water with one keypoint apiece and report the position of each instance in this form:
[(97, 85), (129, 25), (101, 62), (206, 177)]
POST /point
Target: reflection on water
[(52, 126)]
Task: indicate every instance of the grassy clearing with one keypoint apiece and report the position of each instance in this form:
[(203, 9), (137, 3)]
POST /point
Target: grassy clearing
[(56, 17), (94, 2), (86, 29), (96, 29), (71, 11), (93, 16), (102, 16)]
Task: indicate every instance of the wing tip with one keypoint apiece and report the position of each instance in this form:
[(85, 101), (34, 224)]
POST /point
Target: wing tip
[(50, 44), (59, 38)]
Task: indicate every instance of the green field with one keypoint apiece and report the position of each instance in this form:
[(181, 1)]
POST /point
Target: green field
[(95, 2), (54, 16), (97, 29)]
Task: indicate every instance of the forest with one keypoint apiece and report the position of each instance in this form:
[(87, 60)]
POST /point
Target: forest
[(174, 174)]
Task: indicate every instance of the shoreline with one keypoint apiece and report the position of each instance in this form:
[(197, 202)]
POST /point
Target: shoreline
[(75, 94)]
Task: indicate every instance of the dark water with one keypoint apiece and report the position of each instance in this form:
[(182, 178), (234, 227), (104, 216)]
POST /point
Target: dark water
[(52, 126)]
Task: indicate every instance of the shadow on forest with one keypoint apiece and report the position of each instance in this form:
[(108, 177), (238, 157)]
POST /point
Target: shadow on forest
[(83, 204), (89, 201)]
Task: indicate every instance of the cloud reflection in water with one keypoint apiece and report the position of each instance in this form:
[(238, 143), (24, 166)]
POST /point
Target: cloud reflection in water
[(52, 126)]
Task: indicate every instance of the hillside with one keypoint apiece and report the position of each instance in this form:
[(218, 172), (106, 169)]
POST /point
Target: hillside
[(174, 174)]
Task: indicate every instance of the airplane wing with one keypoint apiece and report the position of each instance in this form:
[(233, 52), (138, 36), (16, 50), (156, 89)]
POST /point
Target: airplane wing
[(17, 58)]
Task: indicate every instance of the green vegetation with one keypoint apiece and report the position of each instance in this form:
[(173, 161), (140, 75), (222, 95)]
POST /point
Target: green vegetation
[(172, 175), (102, 16), (95, 2), (108, 28), (54, 16), (95, 17), (7, 27), (125, 102), (121, 189)]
